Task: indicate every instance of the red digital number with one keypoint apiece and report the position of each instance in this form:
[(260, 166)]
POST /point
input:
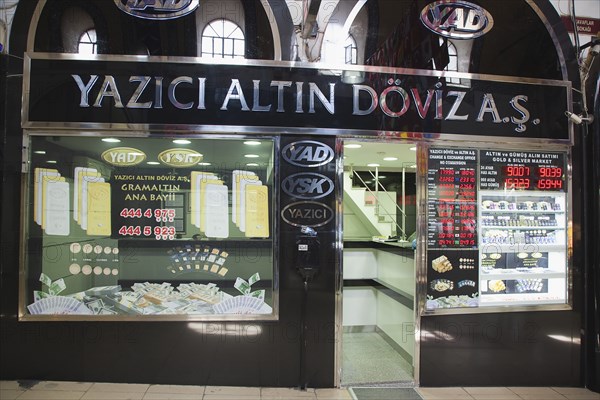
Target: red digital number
[(517, 171), (550, 172), (517, 183), (549, 184)]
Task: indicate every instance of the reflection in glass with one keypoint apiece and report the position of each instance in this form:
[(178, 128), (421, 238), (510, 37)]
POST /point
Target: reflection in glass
[(223, 39), (88, 43)]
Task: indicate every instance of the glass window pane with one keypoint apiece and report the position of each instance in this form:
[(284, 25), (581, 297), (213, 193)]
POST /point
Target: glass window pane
[(188, 258), (237, 34), (87, 43), (228, 48), (239, 47), (228, 28), (207, 45), (222, 32)]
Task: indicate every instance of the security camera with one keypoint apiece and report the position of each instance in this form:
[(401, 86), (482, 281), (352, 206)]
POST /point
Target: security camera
[(574, 118), (578, 119)]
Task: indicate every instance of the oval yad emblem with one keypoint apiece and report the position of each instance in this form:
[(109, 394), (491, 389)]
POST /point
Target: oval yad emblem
[(123, 156), (307, 153), (180, 158), (157, 9), (457, 19)]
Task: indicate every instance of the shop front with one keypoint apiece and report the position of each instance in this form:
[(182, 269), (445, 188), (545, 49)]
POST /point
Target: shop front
[(196, 194)]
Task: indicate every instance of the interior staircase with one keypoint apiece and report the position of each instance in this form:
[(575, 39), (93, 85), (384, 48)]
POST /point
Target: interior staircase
[(378, 220)]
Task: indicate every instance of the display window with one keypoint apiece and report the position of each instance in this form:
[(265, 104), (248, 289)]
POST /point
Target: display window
[(496, 229), (127, 226)]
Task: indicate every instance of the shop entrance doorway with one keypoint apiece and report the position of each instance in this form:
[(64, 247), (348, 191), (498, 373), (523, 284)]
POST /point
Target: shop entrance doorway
[(379, 226)]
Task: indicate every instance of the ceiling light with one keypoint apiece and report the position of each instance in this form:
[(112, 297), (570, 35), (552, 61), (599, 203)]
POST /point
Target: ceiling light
[(153, 162), (251, 155), (251, 143), (205, 164), (353, 146), (373, 165), (252, 164), (181, 141), (111, 140), (51, 162), (40, 152), (381, 177), (390, 159), (413, 148)]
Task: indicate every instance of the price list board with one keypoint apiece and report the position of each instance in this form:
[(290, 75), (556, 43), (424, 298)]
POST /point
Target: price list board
[(452, 255), (452, 198), (522, 170)]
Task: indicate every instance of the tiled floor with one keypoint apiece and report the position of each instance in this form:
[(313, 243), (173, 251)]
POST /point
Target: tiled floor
[(47, 390), (368, 358)]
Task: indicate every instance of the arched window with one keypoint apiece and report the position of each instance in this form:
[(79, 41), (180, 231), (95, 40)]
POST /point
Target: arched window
[(222, 39), (350, 50), (88, 42), (452, 62)]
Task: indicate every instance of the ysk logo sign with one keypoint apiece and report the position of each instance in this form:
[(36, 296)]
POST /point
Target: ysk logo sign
[(157, 9), (457, 19), (180, 158), (307, 185), (307, 153)]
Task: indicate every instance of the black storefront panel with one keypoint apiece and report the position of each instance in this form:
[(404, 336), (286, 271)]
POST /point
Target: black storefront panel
[(271, 353), (170, 95)]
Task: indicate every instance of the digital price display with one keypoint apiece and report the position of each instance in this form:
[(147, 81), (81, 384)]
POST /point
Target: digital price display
[(526, 178), (502, 170), (452, 198)]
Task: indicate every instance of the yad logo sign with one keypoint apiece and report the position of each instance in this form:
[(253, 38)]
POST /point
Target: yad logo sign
[(457, 19), (307, 153), (123, 156), (157, 9), (307, 185)]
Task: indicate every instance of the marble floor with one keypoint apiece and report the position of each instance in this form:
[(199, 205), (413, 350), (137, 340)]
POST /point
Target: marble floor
[(49, 390), (367, 359)]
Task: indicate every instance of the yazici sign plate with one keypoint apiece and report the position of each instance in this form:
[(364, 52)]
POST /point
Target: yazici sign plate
[(284, 97)]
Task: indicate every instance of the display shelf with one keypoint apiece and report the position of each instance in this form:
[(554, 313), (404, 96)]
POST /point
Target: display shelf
[(516, 274), (502, 300), (521, 247), (522, 228), (526, 232), (520, 194), (484, 211)]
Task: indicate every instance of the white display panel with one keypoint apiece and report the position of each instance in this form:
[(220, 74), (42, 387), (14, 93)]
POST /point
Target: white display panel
[(523, 248)]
